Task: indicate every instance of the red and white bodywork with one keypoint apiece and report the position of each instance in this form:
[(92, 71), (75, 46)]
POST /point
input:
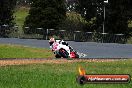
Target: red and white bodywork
[(56, 47)]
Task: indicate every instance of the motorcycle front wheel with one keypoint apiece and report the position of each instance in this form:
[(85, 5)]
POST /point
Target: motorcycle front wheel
[(63, 53)]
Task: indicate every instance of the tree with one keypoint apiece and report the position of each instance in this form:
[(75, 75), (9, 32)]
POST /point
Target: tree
[(73, 22), (45, 14), (118, 13), (90, 9), (25, 3), (6, 16)]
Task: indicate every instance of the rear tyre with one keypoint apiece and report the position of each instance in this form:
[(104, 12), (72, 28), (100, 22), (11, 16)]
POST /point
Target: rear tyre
[(57, 56), (63, 53)]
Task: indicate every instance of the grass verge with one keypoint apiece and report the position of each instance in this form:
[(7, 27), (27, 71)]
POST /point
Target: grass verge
[(17, 51), (20, 15), (61, 75)]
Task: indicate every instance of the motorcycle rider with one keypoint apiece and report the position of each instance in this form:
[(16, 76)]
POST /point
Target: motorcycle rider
[(61, 41), (63, 44), (51, 41)]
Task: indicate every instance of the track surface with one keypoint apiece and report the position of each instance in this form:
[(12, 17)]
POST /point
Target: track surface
[(91, 49)]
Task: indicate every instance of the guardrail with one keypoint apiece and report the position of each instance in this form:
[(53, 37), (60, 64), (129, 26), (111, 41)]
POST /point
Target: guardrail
[(80, 36)]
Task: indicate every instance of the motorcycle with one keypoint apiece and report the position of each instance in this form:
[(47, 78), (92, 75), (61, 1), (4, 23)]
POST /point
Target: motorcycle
[(64, 51)]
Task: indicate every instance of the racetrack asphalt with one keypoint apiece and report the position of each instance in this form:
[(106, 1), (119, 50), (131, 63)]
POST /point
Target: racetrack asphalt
[(91, 49)]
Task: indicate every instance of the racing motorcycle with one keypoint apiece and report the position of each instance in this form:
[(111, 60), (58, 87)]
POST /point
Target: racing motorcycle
[(64, 51)]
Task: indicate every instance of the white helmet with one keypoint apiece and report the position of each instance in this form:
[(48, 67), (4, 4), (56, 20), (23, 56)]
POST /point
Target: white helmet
[(51, 41)]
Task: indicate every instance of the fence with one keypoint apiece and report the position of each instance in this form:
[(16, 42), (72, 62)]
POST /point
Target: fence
[(79, 36), (66, 35)]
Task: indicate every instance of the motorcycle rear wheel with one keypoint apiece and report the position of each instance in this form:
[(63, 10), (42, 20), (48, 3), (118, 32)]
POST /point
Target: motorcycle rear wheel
[(64, 53), (57, 56)]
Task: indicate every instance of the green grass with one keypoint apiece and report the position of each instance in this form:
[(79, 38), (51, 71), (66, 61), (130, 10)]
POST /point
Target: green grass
[(17, 51), (60, 75), (20, 15)]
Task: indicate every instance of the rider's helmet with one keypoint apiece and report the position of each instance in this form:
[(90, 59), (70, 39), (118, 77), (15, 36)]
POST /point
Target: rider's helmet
[(51, 41)]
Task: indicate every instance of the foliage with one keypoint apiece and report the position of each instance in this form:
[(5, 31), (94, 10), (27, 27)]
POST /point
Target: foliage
[(46, 14), (118, 16), (74, 22), (20, 15), (6, 16), (24, 3), (118, 13), (91, 9)]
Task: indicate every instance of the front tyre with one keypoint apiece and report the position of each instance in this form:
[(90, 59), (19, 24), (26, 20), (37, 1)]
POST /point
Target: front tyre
[(63, 53)]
